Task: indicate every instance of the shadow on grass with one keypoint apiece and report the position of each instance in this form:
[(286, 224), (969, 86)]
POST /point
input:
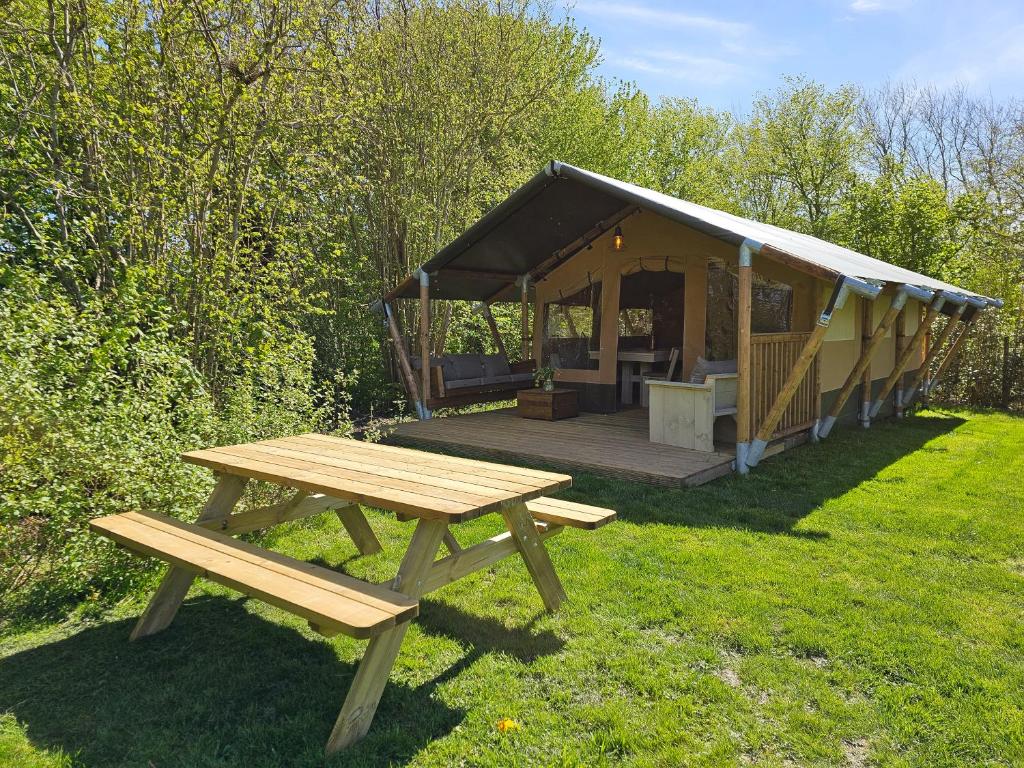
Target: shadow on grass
[(219, 687), (777, 494), (781, 490), (224, 687)]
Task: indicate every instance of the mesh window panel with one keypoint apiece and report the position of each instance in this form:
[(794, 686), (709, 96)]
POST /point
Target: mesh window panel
[(572, 330)]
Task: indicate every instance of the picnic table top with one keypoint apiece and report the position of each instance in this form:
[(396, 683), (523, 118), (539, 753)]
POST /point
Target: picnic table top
[(401, 480)]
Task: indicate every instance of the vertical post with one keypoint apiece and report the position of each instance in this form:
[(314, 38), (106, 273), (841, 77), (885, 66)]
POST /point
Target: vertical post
[(524, 316), (403, 358), (498, 341), (866, 316), (901, 344), (743, 327), (425, 336), (1005, 395)]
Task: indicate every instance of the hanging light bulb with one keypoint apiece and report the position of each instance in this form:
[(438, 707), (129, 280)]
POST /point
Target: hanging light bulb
[(618, 241)]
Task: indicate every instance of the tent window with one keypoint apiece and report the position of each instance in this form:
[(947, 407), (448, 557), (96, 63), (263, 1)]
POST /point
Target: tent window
[(771, 309), (572, 330)]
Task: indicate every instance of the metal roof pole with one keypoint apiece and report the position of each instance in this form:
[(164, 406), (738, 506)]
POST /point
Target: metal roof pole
[(843, 288)]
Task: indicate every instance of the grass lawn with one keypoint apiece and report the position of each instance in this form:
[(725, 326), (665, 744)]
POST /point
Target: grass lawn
[(857, 602)]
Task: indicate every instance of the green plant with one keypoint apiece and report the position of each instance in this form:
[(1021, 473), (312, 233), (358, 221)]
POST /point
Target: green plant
[(544, 375)]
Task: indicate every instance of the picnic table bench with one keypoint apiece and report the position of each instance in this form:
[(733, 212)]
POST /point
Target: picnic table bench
[(337, 474)]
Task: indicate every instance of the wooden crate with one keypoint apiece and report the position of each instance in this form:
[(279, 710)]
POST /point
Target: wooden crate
[(549, 406)]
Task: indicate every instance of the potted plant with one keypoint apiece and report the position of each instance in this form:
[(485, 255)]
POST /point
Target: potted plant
[(545, 377)]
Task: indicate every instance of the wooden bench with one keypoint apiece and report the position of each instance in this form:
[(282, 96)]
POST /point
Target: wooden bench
[(569, 513), (332, 602)]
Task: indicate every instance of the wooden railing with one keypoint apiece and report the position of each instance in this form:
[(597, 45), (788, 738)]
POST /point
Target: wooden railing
[(772, 356)]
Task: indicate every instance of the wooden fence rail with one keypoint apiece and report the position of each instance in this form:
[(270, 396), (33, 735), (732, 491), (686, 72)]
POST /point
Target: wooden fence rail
[(772, 356)]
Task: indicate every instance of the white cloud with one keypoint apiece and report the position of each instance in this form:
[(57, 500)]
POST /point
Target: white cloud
[(656, 16), (874, 6), (705, 70)]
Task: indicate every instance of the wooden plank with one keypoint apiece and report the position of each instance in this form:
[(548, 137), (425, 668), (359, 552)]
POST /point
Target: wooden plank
[(417, 481), (317, 594), (167, 599), (508, 481), (394, 499), (423, 458), (381, 478), (570, 513)]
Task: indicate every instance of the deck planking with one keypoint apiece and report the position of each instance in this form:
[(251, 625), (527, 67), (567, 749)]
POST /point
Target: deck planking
[(615, 445)]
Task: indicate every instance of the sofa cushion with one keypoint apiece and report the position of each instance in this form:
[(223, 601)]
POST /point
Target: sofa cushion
[(458, 367), (521, 378), (495, 365), (461, 383), (705, 368)]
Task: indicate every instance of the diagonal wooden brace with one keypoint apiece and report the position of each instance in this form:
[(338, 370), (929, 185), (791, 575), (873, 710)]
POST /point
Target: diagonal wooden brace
[(908, 351), (911, 392), (863, 363)]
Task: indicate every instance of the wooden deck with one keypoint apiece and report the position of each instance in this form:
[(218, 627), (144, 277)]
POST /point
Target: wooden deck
[(615, 445)]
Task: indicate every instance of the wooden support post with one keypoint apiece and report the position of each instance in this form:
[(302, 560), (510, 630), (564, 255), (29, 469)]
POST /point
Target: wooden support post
[(743, 381), (901, 362), (425, 337), (375, 668), (524, 318), (866, 313), (936, 347), (171, 593), (498, 341), (531, 546), (901, 344), (403, 356), (358, 529), (862, 368)]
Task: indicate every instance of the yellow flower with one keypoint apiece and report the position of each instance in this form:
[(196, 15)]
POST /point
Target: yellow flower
[(507, 724)]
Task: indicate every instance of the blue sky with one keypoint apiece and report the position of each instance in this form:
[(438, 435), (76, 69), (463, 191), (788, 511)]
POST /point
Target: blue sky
[(724, 53)]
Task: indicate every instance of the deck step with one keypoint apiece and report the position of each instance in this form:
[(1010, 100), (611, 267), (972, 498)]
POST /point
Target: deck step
[(569, 513), (329, 600)]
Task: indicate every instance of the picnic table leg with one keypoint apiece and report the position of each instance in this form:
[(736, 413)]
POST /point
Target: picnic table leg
[(175, 585), (359, 529), (375, 668), (524, 532)]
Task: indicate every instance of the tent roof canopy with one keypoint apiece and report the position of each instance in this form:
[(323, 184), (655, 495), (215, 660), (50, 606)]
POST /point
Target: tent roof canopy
[(563, 207)]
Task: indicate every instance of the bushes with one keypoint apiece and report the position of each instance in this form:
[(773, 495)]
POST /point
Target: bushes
[(96, 405)]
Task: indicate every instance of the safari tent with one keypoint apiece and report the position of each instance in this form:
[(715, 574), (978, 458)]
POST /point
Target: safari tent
[(721, 335)]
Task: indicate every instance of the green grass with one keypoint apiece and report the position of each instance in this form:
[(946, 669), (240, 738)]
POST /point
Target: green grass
[(856, 602)]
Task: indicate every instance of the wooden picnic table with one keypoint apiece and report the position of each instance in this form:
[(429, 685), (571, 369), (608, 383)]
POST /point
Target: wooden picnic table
[(331, 473)]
